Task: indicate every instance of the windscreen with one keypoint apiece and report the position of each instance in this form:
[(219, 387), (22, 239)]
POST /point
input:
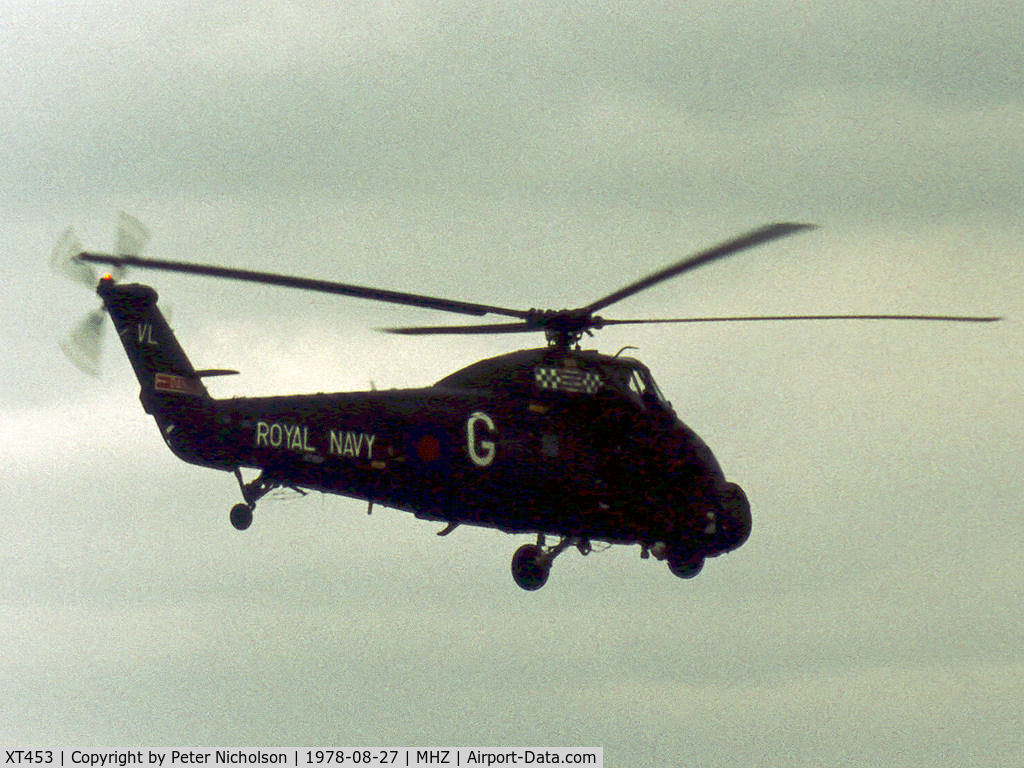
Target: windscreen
[(633, 380)]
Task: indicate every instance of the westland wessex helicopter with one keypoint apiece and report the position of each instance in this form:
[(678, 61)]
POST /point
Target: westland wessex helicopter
[(554, 441)]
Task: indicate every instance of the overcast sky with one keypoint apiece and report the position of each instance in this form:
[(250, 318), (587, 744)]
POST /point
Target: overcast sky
[(527, 155)]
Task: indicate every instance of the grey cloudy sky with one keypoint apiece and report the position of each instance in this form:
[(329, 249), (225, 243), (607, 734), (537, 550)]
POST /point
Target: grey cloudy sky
[(530, 155)]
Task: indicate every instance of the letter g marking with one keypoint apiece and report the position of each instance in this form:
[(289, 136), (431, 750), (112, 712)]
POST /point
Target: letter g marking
[(481, 452)]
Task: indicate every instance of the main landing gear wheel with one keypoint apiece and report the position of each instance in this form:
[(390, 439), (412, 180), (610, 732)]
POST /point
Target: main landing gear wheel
[(241, 516), (531, 563), (530, 567)]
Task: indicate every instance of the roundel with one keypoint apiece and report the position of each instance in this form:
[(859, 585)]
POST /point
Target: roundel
[(428, 448)]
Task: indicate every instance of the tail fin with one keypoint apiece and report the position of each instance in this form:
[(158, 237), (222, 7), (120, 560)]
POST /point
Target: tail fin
[(169, 382)]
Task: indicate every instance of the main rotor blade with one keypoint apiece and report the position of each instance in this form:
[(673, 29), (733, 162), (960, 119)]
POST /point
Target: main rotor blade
[(756, 318), (600, 322), (305, 283), (427, 330), (715, 252)]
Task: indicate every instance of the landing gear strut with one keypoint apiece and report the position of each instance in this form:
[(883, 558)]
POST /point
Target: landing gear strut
[(531, 564), (253, 491)]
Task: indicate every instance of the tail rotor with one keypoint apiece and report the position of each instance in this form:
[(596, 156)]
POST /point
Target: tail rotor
[(131, 240), (64, 260), (83, 346)]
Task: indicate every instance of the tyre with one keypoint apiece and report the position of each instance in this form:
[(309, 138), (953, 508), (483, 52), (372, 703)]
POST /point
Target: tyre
[(527, 568), (241, 516)]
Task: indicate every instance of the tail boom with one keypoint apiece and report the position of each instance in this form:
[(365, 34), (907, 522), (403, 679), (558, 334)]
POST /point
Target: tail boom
[(171, 390), (161, 366)]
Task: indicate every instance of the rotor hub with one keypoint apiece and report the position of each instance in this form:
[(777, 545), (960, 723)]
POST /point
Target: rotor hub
[(564, 328)]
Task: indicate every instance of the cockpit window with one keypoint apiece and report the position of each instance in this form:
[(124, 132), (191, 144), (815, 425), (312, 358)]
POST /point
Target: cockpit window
[(636, 383), (650, 388)]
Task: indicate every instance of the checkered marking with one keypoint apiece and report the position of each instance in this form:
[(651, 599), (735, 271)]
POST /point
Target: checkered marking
[(566, 380)]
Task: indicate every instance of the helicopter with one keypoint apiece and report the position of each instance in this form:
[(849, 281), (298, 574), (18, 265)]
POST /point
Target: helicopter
[(554, 441)]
